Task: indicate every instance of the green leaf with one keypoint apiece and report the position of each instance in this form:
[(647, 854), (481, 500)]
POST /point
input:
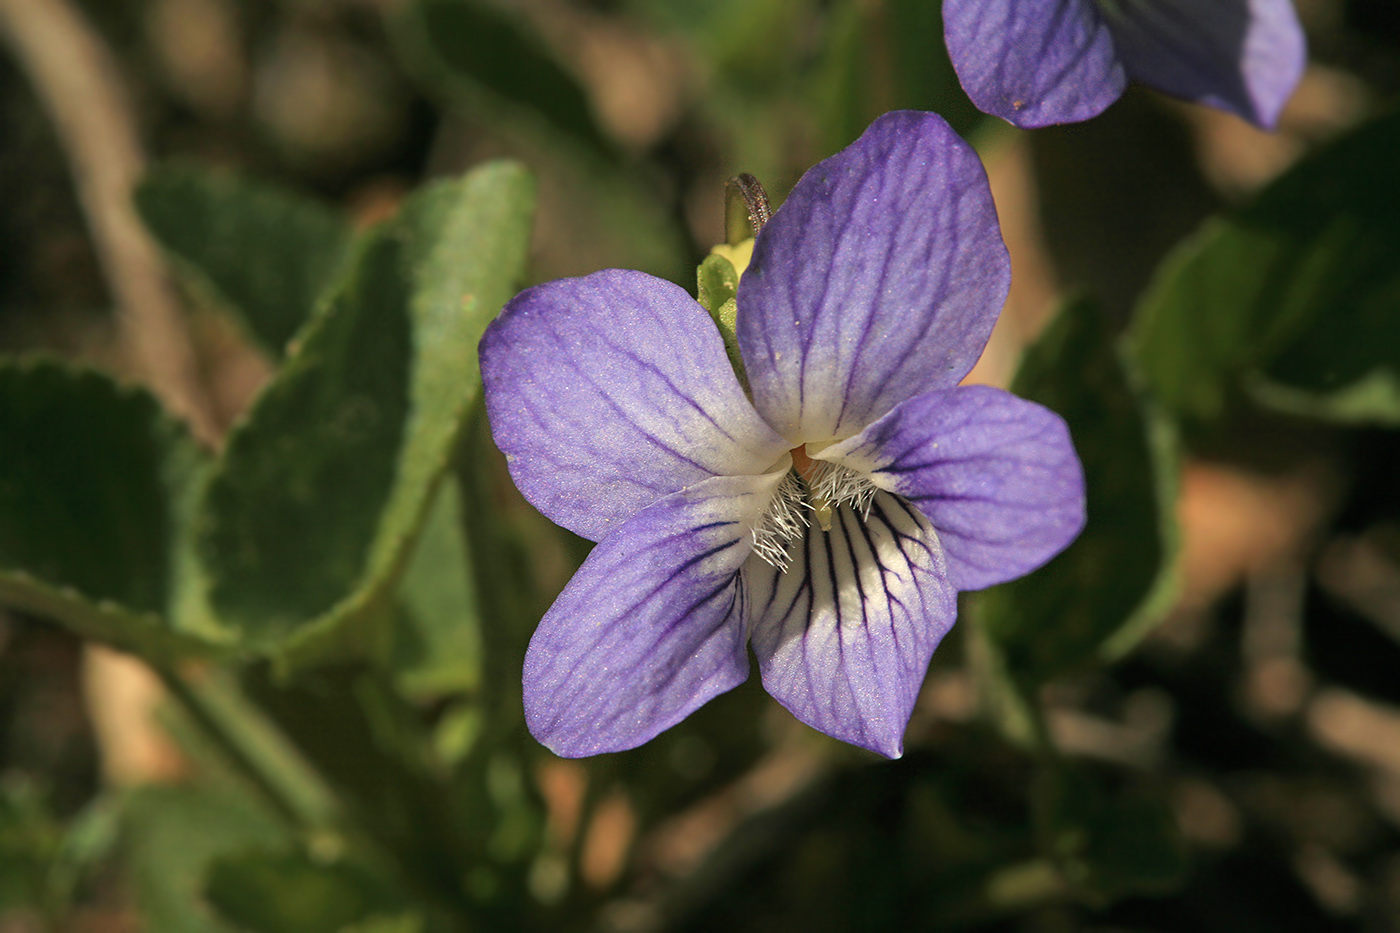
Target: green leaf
[(96, 485), (286, 892), (717, 289), (924, 75), (438, 649), (1108, 846), (742, 40), (1300, 286), (311, 515), (521, 562), (463, 45), (374, 750), (264, 254), (841, 86), (43, 860), (30, 840), (405, 923), (1373, 398), (717, 282), (88, 840), (1098, 597), (219, 731), (171, 836)]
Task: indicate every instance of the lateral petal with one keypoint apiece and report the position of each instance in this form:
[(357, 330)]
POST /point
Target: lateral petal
[(879, 278), (844, 636), (652, 625), (610, 391), (1243, 56), (1034, 62), (996, 475)]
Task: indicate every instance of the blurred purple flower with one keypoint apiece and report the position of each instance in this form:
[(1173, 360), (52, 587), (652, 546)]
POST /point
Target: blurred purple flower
[(831, 520), (1038, 62)]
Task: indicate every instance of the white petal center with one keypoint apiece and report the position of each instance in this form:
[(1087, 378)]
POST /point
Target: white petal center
[(811, 490)]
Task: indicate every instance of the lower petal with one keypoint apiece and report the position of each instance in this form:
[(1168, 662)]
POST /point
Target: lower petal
[(1244, 56), (652, 625), (997, 475), (844, 635)]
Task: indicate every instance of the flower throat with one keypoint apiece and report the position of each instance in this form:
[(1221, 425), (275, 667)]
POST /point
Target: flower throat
[(818, 487)]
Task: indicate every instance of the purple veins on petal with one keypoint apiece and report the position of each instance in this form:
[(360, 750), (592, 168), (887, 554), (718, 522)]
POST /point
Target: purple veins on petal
[(1034, 62), (831, 520), (610, 391), (652, 625), (878, 278), (1242, 56), (995, 474), (844, 639), (1039, 62)]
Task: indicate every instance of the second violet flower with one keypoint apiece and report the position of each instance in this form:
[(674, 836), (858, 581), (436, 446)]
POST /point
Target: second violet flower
[(1038, 62), (829, 517)]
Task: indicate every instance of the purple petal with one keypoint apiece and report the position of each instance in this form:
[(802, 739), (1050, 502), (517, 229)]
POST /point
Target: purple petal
[(879, 278), (844, 636), (996, 475), (608, 392), (652, 625), (1244, 56), (1034, 62)]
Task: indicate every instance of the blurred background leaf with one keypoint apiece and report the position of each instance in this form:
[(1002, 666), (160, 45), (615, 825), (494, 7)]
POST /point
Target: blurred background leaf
[(310, 516), (94, 517), (172, 835), (1256, 717), (1301, 284), (437, 649), (1095, 600), (476, 46), (264, 254), (287, 892)]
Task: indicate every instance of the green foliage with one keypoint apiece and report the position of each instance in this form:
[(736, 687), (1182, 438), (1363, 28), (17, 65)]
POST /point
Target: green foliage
[(264, 254), (1108, 846), (469, 45), (1098, 597), (311, 513), (434, 817), (716, 282), (1296, 291), (288, 892), (404, 923), (44, 859), (358, 551), (717, 287), (95, 513), (880, 57), (737, 36), (521, 562), (29, 841), (437, 645), (173, 834)]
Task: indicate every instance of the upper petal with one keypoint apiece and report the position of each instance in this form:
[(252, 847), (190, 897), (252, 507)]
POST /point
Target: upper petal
[(880, 277), (844, 636), (609, 391), (652, 625), (997, 475), (1244, 56), (1034, 62)]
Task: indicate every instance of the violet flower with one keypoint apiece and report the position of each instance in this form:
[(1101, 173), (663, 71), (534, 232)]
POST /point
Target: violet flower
[(1037, 62), (831, 518)]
